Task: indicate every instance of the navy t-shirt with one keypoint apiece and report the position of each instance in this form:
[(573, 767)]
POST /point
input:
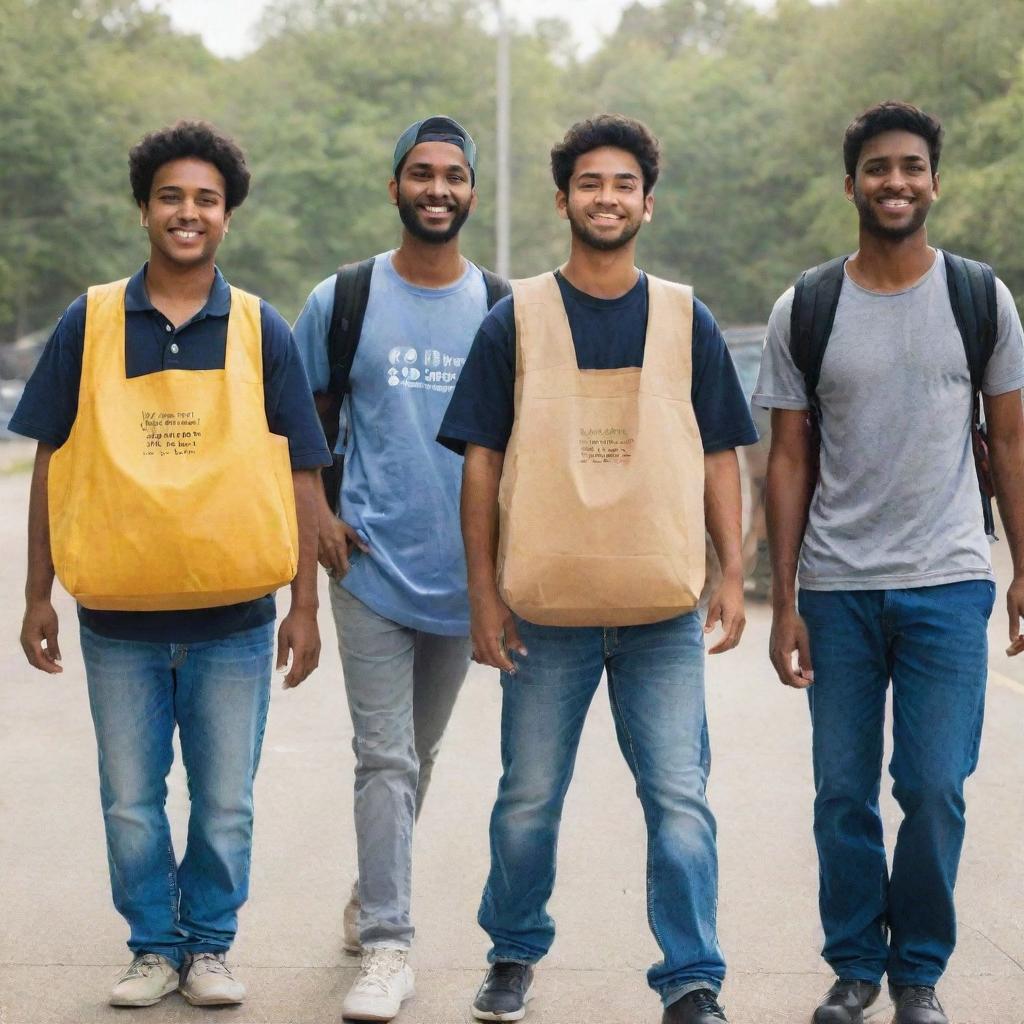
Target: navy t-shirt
[(49, 405), (608, 334)]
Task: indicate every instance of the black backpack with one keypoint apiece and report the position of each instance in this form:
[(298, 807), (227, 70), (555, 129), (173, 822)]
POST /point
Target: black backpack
[(972, 296), (351, 293)]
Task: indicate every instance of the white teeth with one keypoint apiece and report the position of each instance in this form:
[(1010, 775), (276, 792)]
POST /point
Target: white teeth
[(895, 203), (436, 209), (184, 234)]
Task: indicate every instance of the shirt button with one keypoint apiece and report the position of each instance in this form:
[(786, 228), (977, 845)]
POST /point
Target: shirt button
[(174, 349), (168, 328)]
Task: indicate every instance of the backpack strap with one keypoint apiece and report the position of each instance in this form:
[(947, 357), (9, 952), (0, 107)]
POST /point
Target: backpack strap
[(815, 298), (972, 295), (351, 294), (497, 287)]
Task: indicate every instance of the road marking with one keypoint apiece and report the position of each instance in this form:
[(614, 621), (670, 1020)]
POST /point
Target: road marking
[(1001, 680)]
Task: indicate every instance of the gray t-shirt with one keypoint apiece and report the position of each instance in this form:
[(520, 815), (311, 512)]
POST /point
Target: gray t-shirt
[(897, 502)]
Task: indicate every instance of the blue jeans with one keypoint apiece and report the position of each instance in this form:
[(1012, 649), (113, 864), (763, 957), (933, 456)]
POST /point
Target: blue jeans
[(401, 685), (217, 694), (656, 688), (932, 643)]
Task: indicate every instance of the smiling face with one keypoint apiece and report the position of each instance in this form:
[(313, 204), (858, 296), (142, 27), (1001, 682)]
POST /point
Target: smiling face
[(894, 187), (434, 191), (186, 216), (605, 204)]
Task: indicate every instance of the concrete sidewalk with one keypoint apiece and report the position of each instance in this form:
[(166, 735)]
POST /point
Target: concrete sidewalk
[(61, 943)]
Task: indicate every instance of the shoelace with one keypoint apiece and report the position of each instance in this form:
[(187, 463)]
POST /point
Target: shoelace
[(918, 996), (209, 963), (142, 966), (379, 968), (704, 1000)]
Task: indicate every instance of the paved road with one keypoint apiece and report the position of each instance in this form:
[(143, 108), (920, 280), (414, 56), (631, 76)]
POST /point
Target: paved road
[(61, 942)]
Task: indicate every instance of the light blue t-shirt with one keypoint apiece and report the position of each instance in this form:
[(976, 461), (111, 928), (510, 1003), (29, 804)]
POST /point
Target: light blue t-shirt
[(400, 489)]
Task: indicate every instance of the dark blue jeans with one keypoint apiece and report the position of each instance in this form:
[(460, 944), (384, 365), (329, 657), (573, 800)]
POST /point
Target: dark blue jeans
[(656, 687), (932, 643)]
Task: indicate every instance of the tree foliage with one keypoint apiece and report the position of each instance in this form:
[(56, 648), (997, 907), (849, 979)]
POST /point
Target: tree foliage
[(749, 105)]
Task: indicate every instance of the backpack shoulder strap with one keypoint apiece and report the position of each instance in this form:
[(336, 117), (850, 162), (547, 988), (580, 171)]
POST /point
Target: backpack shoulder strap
[(815, 298), (351, 293), (972, 296), (497, 287)]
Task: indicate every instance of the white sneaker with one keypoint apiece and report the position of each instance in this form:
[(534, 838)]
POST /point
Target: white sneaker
[(206, 980), (146, 980), (385, 981), (350, 923)]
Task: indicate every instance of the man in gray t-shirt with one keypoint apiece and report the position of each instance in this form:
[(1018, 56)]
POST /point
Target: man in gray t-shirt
[(895, 578)]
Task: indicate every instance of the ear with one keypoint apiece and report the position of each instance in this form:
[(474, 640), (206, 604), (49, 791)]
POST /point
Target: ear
[(648, 207), (472, 201), (561, 204), (393, 191), (227, 220), (935, 185), (143, 215), (848, 187)]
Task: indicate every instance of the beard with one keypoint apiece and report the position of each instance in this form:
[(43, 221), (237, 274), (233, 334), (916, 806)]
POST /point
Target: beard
[(869, 220), (433, 236), (582, 231)]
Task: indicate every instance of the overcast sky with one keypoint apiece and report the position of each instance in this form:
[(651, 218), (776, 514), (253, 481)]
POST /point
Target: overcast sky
[(226, 25)]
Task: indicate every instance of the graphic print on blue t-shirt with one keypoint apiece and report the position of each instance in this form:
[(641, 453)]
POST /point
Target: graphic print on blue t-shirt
[(608, 334)]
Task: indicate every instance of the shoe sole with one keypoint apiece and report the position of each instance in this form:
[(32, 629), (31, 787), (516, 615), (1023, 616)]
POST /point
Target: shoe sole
[(208, 1000), (380, 1018), (514, 1015), (129, 1003), (351, 949)]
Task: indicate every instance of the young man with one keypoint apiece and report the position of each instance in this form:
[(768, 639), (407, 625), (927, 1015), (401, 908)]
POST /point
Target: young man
[(151, 481), (399, 577), (894, 571), (603, 403)]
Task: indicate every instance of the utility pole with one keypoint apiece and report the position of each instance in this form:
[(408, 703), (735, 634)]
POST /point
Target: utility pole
[(502, 182)]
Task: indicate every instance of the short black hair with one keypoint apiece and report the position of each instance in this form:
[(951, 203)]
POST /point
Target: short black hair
[(891, 116), (606, 130), (198, 139)]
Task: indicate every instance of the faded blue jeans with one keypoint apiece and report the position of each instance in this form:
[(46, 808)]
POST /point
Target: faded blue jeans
[(216, 693), (656, 687), (401, 685), (932, 643)]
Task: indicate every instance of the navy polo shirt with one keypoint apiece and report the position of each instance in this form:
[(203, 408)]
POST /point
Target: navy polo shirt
[(49, 405), (608, 334)]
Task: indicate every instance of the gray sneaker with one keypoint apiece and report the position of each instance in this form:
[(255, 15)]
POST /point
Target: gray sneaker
[(206, 980), (145, 981)]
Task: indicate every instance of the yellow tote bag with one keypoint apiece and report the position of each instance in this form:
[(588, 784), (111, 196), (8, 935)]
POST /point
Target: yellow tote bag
[(171, 492), (601, 503)]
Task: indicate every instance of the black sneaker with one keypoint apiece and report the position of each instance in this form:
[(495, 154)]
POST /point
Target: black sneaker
[(916, 1004), (700, 1007), (504, 993), (845, 1002)]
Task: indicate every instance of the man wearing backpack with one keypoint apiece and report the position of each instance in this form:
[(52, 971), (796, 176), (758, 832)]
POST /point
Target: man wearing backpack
[(874, 498), (399, 577)]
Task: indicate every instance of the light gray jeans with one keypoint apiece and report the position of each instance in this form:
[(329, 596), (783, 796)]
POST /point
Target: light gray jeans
[(401, 685)]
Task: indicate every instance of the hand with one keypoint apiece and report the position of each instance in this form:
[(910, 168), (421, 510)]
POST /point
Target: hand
[(726, 606), (493, 632), (300, 636), (789, 635), (1015, 608), (38, 627), (337, 539)]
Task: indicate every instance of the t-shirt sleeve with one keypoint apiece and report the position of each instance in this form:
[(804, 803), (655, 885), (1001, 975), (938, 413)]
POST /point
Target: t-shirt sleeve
[(287, 395), (310, 331), (1005, 369), (49, 403), (482, 407), (780, 385), (718, 400)]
